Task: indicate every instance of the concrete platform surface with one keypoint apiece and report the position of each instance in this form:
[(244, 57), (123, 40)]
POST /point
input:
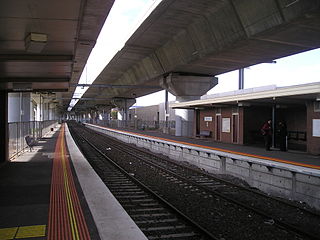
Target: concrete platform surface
[(111, 219), (26, 186)]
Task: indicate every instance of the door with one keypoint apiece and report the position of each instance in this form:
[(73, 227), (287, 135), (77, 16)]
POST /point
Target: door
[(235, 128), (218, 127), (197, 121)]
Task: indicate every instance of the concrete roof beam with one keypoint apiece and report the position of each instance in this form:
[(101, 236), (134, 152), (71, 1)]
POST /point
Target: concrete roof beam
[(123, 103), (188, 86), (153, 66), (211, 37), (169, 56), (225, 27), (258, 16)]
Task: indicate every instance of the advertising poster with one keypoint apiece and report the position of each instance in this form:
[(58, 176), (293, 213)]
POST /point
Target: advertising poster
[(226, 125)]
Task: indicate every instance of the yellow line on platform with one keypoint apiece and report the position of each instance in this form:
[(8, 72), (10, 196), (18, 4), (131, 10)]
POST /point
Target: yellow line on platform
[(8, 233), (31, 231), (73, 220), (23, 232)]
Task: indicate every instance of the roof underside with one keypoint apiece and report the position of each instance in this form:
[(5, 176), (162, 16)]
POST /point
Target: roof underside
[(207, 37), (292, 96), (71, 28)]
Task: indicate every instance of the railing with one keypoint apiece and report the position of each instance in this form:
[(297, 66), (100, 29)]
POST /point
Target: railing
[(161, 126), (19, 130)]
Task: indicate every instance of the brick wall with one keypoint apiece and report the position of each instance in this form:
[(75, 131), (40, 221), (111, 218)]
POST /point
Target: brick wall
[(207, 125), (211, 125), (254, 118), (313, 143), (296, 120)]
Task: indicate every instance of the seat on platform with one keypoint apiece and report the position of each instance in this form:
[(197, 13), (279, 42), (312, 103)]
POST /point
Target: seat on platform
[(204, 133), (30, 142)]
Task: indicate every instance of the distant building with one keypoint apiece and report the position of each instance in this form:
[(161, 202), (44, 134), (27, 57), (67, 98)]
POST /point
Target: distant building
[(151, 113), (237, 117)]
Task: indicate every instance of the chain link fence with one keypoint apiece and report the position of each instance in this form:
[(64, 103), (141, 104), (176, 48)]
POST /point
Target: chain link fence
[(161, 126)]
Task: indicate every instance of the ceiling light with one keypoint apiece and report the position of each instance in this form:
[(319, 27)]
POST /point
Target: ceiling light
[(35, 42)]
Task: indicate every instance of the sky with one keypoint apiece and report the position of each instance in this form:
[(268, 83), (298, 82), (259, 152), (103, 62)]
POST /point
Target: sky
[(126, 15)]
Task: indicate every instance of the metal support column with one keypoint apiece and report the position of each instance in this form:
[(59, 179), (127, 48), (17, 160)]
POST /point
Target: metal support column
[(4, 132), (241, 78), (166, 109), (273, 125), (40, 108)]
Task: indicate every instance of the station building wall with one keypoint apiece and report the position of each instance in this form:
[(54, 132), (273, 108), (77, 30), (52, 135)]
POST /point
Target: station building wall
[(151, 113), (207, 125), (233, 134), (296, 120), (313, 113), (249, 122), (253, 119), (148, 113)]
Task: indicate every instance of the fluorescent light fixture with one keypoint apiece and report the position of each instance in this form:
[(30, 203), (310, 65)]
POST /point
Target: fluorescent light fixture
[(35, 42), (318, 97)]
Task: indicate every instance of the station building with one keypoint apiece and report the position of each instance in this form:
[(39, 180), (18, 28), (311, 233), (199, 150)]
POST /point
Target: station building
[(237, 117)]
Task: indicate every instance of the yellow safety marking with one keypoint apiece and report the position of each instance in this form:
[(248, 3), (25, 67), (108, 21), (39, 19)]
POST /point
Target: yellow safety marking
[(31, 231), (73, 221), (8, 233)]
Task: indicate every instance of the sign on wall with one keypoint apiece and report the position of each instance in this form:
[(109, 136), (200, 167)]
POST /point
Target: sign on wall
[(316, 127), (226, 125), (208, 119)]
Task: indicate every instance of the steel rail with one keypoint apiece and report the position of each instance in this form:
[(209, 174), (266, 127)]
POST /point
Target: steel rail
[(201, 172), (258, 211), (202, 230)]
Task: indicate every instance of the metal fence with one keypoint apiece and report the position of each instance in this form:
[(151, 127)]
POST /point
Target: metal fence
[(161, 126), (19, 130)]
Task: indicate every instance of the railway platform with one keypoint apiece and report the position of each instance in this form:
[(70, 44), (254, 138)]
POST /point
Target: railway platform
[(292, 175), (53, 193), (295, 158)]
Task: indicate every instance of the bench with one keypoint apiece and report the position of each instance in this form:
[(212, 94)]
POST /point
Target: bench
[(297, 135), (30, 142), (204, 133)]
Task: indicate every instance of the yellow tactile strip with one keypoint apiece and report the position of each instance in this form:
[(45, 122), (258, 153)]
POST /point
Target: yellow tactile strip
[(8, 233), (23, 232)]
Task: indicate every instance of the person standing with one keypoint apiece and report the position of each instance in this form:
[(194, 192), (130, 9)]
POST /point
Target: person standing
[(282, 130), (266, 131)]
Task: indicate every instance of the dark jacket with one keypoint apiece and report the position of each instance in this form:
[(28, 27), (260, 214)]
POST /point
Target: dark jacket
[(266, 129)]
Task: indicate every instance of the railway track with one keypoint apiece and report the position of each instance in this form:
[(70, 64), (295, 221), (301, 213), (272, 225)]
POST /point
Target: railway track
[(291, 215), (223, 199), (157, 218)]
